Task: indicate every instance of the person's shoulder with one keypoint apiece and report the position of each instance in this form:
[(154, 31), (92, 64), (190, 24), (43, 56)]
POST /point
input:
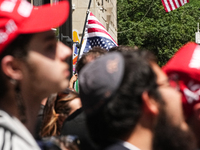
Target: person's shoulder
[(76, 115), (13, 134), (9, 140)]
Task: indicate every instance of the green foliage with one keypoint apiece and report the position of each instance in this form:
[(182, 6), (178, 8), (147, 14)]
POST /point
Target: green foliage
[(144, 23)]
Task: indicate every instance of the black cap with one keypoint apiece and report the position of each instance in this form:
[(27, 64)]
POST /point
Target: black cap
[(99, 80)]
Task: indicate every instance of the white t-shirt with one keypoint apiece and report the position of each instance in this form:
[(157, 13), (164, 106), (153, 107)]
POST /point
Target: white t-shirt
[(14, 135)]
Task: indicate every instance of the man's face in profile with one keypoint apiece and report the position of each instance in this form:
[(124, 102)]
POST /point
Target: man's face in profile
[(46, 70), (171, 131)]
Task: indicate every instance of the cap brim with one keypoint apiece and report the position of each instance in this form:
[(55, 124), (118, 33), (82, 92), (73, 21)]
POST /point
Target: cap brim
[(45, 17)]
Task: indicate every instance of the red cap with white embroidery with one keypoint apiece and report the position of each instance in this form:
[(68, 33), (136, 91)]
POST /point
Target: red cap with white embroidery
[(20, 17), (184, 67)]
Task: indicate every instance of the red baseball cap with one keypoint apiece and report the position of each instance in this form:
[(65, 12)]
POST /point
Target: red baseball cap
[(185, 67), (20, 17)]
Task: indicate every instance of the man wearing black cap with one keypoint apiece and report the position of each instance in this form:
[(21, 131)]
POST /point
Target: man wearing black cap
[(130, 105), (33, 65)]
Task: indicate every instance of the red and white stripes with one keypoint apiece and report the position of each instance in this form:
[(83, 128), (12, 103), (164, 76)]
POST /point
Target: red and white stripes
[(170, 5)]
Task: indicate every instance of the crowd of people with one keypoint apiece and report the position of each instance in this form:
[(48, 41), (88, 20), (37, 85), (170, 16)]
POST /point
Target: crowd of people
[(125, 100)]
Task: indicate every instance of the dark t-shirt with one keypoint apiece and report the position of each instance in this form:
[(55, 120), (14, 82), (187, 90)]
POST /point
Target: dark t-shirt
[(75, 124)]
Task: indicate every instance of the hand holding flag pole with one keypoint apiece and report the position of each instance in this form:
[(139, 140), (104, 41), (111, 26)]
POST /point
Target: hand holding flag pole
[(80, 45)]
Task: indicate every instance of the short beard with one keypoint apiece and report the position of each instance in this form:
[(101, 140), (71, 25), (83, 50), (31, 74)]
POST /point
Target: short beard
[(170, 137)]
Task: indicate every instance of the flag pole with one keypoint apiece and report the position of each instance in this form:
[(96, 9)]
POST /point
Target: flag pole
[(87, 13)]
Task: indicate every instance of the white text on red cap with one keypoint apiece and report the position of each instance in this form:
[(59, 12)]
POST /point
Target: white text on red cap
[(195, 60), (9, 28), (24, 8)]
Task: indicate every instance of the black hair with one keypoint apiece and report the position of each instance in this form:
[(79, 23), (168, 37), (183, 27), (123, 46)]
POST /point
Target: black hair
[(121, 114), (17, 49), (123, 48), (94, 53)]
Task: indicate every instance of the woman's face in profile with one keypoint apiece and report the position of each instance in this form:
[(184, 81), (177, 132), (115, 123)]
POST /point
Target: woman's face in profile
[(71, 105), (74, 105)]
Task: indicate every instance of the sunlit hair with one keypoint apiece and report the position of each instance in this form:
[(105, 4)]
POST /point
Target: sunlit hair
[(57, 106)]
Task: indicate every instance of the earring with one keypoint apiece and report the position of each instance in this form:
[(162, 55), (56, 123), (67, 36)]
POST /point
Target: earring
[(13, 81)]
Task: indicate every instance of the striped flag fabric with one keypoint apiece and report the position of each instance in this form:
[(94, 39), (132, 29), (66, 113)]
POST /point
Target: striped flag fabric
[(96, 35), (170, 5)]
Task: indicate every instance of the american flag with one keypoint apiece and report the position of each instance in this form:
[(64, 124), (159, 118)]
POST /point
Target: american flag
[(96, 35), (170, 5)]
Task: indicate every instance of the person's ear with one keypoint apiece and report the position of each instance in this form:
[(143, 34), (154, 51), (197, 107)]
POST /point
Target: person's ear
[(11, 67), (150, 106), (196, 110)]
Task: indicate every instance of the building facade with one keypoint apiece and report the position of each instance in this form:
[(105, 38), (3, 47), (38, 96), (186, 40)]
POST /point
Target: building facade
[(104, 10)]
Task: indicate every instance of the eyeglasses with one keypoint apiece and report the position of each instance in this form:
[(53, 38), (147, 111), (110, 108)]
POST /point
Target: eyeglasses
[(174, 84), (173, 81)]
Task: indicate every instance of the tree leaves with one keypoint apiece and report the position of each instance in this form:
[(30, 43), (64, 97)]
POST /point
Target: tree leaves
[(144, 23)]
